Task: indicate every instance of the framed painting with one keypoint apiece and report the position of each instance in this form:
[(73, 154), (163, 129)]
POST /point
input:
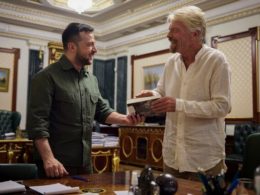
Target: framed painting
[(8, 76), (4, 79), (147, 69), (151, 75)]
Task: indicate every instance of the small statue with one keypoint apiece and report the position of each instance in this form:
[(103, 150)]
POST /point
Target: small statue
[(144, 181), (115, 161)]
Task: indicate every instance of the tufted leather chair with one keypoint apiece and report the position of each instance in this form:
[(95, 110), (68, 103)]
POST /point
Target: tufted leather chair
[(9, 121), (242, 131), (251, 155)]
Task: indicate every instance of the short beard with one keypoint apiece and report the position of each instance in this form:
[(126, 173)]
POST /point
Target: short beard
[(83, 61), (173, 50), (173, 46)]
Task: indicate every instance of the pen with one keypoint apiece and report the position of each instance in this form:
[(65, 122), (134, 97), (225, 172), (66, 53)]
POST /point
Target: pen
[(232, 186), (234, 181), (77, 177)]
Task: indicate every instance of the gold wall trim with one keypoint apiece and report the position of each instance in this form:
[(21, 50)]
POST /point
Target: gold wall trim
[(152, 151), (104, 168), (132, 146), (233, 16)]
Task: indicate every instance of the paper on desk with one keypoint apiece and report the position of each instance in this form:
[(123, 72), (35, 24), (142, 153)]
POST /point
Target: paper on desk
[(121, 192), (10, 187), (55, 189)]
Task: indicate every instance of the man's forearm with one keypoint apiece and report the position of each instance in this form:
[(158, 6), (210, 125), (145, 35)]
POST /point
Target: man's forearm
[(44, 148), (116, 118)]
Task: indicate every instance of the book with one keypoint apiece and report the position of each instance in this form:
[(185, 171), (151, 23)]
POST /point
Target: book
[(11, 187), (142, 106), (55, 189)]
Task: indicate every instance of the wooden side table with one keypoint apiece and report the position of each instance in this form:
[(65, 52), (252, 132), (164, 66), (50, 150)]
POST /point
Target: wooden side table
[(141, 145)]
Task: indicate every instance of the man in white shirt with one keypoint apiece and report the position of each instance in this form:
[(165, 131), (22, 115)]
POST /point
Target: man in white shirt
[(195, 90)]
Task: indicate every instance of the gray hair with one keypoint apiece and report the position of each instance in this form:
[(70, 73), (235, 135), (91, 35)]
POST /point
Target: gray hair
[(192, 17)]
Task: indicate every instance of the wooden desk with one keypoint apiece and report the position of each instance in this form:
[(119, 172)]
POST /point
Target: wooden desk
[(111, 182), (104, 159)]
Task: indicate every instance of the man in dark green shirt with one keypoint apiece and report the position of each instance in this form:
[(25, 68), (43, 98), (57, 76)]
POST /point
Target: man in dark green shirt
[(65, 100)]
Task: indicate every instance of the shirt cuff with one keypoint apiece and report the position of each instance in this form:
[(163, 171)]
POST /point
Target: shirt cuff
[(179, 105)]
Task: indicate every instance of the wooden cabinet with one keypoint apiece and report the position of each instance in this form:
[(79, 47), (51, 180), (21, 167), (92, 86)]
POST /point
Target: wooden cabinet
[(141, 145), (15, 151), (104, 159)]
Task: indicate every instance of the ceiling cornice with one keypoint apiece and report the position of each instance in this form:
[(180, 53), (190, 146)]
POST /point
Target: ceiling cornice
[(120, 47), (136, 18)]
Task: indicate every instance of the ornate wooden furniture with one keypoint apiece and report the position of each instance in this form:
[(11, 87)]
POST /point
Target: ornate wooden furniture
[(15, 151), (104, 159), (141, 145)]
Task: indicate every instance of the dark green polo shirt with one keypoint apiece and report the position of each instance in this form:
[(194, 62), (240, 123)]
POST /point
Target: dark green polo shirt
[(62, 107)]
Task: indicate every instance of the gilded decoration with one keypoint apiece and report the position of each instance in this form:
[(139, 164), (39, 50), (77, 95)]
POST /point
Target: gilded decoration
[(55, 51), (127, 146)]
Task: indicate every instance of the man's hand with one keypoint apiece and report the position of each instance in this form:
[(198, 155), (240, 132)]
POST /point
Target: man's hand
[(145, 93), (121, 119), (53, 168), (134, 119), (163, 105)]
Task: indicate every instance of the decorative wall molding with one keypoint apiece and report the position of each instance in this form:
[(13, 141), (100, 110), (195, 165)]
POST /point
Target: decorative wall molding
[(112, 47), (234, 16)]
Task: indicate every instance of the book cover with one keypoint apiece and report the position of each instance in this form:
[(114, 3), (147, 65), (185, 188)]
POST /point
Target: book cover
[(142, 106), (11, 187)]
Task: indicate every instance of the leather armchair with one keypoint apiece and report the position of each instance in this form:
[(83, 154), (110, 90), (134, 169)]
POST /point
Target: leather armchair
[(242, 131), (251, 155), (9, 121), (235, 160)]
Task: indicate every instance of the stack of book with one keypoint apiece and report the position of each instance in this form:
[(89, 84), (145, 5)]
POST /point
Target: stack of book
[(111, 141), (104, 140)]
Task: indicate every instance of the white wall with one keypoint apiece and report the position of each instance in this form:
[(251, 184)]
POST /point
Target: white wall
[(22, 80), (38, 40)]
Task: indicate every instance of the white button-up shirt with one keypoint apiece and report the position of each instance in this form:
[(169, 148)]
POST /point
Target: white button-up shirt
[(195, 133)]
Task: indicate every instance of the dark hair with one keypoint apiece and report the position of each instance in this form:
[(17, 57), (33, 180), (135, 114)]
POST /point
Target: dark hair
[(71, 33)]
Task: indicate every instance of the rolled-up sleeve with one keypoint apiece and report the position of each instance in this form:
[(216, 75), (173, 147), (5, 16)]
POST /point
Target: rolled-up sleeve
[(39, 106)]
